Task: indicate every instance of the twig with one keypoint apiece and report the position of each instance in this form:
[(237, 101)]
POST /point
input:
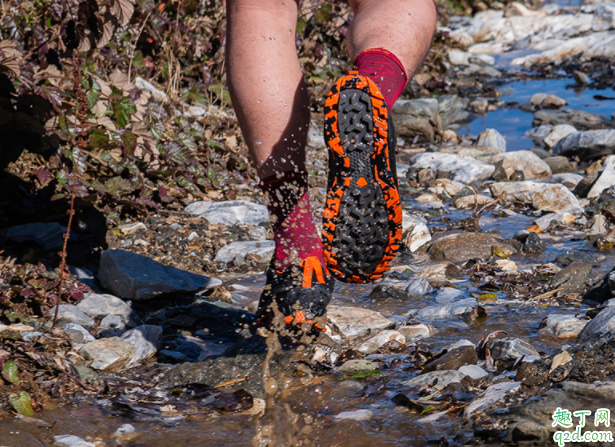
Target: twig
[(80, 142), (134, 46)]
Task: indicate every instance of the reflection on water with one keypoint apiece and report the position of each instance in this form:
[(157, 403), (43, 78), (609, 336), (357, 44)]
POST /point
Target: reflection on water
[(513, 123)]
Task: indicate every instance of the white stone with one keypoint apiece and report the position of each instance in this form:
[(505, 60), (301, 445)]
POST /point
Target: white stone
[(542, 196), (376, 342), (145, 339), (604, 17), (103, 305), (124, 430), (458, 57), (410, 220), (142, 84), (558, 132), (464, 170), (418, 237), (568, 179), (71, 441), (351, 322), (562, 326), (439, 312), (315, 138), (474, 371), (462, 37), (538, 134), (107, 354), (70, 314), (506, 265), (230, 212), (486, 48), (606, 178), (492, 138), (87, 337), (447, 295), (492, 396), (132, 228), (532, 165), (416, 331), (356, 415), (560, 359), (450, 186), (237, 251)]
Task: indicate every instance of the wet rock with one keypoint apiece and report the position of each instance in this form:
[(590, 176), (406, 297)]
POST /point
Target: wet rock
[(71, 441), (470, 201), (104, 304), (529, 163), (416, 331), (356, 415), (560, 359), (375, 343), (125, 432), (604, 17), (506, 265), (558, 165), (417, 237), (461, 247), (492, 138), (541, 152), (534, 419), (107, 354), (534, 244), (605, 180), (172, 356), (230, 212), (538, 134), (585, 185), (479, 106), (588, 257), (547, 101), (70, 314), (512, 348), (454, 359), (136, 277), (439, 312), (580, 119), (601, 324), (384, 291), (561, 326), (237, 251), (351, 322), (474, 371), (447, 295), (557, 133), (145, 339), (435, 380), (580, 77), (587, 145), (355, 366), (573, 279), (542, 196), (464, 170), (569, 180), (88, 375), (419, 287), (48, 235), (493, 394), (545, 221), (85, 335)]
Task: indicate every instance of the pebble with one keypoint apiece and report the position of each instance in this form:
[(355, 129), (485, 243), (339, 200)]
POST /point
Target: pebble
[(562, 326), (435, 380), (560, 359), (107, 354), (570, 257), (145, 339), (439, 312), (545, 221), (375, 343), (356, 415), (557, 133), (237, 251), (87, 337), (355, 366), (492, 138), (71, 441), (453, 359), (416, 331), (351, 322), (512, 348), (493, 394), (474, 371), (124, 432), (104, 304), (67, 313)]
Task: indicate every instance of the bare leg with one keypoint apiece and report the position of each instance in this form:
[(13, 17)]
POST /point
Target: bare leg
[(403, 27), (266, 83)]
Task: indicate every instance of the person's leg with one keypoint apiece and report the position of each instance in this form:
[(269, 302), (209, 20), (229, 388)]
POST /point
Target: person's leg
[(388, 40), (272, 106)]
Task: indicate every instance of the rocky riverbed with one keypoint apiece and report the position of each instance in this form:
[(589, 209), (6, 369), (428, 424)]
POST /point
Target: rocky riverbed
[(498, 311)]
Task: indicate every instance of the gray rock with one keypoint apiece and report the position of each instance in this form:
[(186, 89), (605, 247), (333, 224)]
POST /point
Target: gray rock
[(142, 84), (573, 278), (71, 441), (538, 134), (124, 430), (70, 314), (230, 212), (558, 165), (107, 354), (176, 356), (588, 257), (439, 312), (545, 221), (474, 371), (104, 304), (604, 17), (461, 247), (87, 337), (145, 339), (569, 180), (464, 170), (412, 117), (448, 295), (544, 100), (355, 366), (351, 322), (479, 153), (577, 118), (237, 251), (541, 152), (542, 196), (453, 359), (511, 348), (561, 326), (557, 133), (416, 331), (355, 415), (136, 277), (86, 277), (534, 419), (587, 145), (449, 107), (581, 78), (419, 287), (373, 344), (534, 244), (492, 138), (605, 180), (601, 324), (493, 394), (435, 380), (112, 326), (48, 235), (585, 185), (532, 166), (30, 335)]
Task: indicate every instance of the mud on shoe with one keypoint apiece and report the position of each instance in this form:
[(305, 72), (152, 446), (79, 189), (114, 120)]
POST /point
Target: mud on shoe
[(362, 218), (301, 294)]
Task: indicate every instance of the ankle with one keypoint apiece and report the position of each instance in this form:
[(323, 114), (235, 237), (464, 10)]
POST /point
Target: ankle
[(385, 69)]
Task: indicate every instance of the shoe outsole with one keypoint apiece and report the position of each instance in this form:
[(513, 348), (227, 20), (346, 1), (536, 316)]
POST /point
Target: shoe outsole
[(362, 217)]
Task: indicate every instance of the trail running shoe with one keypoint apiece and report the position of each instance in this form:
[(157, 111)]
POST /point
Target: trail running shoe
[(301, 294), (362, 217)]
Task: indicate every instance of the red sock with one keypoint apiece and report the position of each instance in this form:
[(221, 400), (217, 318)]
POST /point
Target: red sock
[(383, 67), (294, 231)]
